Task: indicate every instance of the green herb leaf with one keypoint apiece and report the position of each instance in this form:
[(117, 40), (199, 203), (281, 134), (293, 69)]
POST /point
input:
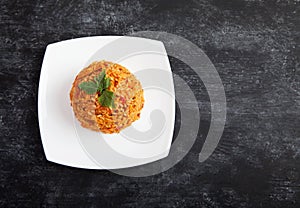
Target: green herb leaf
[(100, 87), (98, 79), (100, 84), (106, 99), (89, 87), (106, 83)]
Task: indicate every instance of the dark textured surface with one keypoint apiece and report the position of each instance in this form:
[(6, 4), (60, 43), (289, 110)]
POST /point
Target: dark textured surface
[(253, 45)]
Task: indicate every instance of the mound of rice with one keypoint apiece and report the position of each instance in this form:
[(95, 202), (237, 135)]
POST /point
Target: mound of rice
[(129, 99)]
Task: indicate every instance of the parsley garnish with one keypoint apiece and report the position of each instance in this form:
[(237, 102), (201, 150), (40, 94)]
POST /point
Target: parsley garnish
[(100, 84)]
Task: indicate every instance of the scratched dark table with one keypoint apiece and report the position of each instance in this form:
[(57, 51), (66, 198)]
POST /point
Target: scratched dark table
[(253, 45)]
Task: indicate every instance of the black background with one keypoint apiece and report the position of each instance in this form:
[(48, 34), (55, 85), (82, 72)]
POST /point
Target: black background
[(253, 45)]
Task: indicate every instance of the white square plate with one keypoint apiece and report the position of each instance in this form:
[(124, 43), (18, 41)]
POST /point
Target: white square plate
[(146, 140)]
